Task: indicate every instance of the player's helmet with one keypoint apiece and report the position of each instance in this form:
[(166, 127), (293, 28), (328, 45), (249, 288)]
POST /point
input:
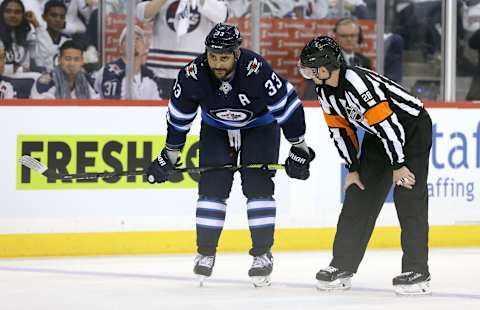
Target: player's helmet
[(322, 51), (223, 38)]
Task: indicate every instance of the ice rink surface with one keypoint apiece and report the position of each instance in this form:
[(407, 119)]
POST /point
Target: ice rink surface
[(167, 282)]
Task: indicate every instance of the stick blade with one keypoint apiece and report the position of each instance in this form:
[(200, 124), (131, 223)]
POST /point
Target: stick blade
[(33, 164)]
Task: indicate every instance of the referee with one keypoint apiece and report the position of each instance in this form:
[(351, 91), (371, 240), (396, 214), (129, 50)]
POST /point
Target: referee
[(396, 146)]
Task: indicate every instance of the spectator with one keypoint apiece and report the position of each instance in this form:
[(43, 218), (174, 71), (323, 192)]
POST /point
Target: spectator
[(393, 62), (51, 37), (179, 29), (111, 80), (7, 87), (474, 91), (67, 80), (16, 35), (348, 34)]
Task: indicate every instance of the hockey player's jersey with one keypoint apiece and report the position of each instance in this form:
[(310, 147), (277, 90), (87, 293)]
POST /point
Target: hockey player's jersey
[(169, 53), (110, 82), (374, 103), (255, 96)]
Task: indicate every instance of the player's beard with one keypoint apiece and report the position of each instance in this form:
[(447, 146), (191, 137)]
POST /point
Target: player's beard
[(222, 73)]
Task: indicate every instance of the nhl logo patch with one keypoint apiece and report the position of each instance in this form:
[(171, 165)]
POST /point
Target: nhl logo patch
[(253, 66), (225, 87)]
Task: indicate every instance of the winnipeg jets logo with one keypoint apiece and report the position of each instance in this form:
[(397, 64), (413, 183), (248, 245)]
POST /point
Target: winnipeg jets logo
[(354, 113), (253, 66), (225, 87), (115, 69), (233, 115), (191, 71)]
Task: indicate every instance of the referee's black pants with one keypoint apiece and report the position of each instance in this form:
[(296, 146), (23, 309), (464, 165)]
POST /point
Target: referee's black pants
[(361, 208)]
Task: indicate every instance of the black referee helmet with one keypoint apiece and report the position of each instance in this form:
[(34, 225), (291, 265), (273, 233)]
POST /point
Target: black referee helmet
[(322, 51)]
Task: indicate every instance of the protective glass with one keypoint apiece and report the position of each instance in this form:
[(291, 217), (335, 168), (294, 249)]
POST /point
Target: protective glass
[(306, 72)]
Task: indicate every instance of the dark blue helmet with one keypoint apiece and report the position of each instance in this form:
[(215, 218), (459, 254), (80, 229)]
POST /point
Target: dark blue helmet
[(322, 51), (223, 38)]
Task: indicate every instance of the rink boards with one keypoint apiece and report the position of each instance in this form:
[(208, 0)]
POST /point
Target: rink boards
[(129, 216)]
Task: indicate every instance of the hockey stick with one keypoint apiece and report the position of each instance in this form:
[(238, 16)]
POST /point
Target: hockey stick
[(37, 166)]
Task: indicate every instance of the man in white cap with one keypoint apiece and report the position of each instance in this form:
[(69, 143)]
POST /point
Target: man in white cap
[(111, 82)]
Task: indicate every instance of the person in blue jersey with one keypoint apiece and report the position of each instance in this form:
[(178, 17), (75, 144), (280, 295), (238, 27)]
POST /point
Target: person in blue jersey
[(243, 104), (111, 82)]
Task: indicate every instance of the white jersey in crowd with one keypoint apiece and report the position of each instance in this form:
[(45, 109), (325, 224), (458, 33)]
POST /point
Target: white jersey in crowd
[(170, 51), (47, 50), (110, 82), (45, 88), (75, 9)]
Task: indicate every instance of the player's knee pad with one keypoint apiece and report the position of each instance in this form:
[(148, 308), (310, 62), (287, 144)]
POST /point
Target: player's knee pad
[(215, 184), (257, 183)]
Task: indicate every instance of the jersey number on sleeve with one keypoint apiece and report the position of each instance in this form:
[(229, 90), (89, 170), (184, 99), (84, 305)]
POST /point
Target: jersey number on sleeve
[(177, 90), (273, 85)]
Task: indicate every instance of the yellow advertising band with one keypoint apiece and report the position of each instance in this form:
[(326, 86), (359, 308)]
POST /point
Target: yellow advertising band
[(163, 242)]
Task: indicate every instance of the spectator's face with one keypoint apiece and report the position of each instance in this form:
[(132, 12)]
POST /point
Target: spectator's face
[(139, 47), (71, 61), (13, 14), (2, 60), (55, 18), (222, 65), (347, 36)]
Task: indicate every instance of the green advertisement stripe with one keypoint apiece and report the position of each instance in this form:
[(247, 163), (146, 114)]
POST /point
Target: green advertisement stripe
[(98, 153)]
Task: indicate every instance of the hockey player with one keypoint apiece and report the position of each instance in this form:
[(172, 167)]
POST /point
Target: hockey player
[(67, 80), (110, 81), (397, 142), (243, 105), (179, 28)]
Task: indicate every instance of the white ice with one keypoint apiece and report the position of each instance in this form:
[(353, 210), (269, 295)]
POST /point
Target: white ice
[(167, 282)]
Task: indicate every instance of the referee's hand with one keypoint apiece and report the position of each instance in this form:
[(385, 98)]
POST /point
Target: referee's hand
[(404, 177), (353, 178)]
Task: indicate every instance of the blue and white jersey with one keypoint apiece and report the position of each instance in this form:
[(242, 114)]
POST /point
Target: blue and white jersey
[(255, 96), (110, 82), (8, 89)]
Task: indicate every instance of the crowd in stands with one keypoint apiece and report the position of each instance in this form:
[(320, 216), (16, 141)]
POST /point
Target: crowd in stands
[(51, 48)]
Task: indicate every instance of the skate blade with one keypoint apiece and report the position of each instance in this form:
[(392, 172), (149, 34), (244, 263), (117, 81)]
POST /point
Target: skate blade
[(261, 281), (336, 285), (418, 289), (201, 280)]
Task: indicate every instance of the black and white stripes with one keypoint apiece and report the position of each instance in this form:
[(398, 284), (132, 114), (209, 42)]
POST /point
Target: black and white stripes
[(372, 102)]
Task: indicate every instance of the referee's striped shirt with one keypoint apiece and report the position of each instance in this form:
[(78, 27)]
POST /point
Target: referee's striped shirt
[(368, 100)]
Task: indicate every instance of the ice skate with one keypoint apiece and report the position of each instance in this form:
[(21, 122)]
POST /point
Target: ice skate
[(203, 267), (333, 279), (412, 283), (261, 269)]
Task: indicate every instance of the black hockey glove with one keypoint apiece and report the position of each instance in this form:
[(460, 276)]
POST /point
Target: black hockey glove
[(298, 163), (160, 169)]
